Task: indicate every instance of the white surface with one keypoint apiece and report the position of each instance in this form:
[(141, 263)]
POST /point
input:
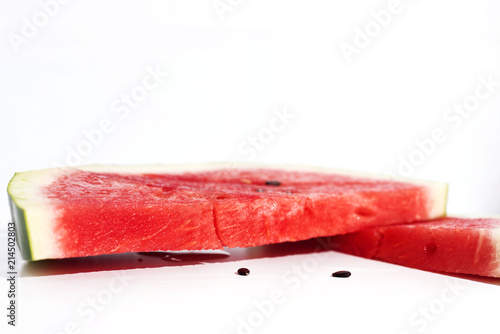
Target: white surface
[(225, 79), (211, 298)]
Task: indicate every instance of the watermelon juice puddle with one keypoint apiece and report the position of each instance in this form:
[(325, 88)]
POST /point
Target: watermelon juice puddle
[(187, 257), (144, 260), (140, 260), (475, 278)]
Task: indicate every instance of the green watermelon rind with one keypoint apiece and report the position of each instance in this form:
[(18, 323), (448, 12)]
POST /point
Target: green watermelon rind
[(32, 213), (22, 231)]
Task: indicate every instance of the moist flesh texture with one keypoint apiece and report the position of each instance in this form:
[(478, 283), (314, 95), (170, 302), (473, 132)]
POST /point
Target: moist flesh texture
[(454, 245), (102, 213)]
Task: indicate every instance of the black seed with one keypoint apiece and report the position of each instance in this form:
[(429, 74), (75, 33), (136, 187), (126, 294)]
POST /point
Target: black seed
[(243, 272), (342, 273), (273, 183), (259, 190)]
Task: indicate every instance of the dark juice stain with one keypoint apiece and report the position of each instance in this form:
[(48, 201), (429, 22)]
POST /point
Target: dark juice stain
[(153, 254)]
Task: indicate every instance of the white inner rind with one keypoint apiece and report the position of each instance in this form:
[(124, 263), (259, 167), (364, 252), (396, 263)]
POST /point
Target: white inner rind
[(25, 190), (437, 199), (495, 239)]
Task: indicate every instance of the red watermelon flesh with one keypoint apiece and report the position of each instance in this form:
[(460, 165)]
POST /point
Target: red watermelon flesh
[(71, 212), (454, 245)]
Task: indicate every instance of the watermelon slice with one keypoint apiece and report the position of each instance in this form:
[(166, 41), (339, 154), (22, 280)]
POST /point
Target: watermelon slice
[(71, 212), (453, 245)]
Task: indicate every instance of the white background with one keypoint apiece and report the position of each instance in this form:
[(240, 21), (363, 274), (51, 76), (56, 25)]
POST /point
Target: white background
[(226, 75)]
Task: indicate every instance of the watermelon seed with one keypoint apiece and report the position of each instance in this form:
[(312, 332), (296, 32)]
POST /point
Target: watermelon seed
[(273, 183), (259, 190), (243, 272), (342, 273)]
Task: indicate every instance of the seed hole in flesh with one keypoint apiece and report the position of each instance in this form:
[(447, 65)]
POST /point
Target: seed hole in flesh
[(259, 190), (363, 211), (273, 183), (430, 248)]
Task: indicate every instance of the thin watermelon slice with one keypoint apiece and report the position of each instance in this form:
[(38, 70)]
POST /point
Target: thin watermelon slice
[(92, 210), (453, 245)]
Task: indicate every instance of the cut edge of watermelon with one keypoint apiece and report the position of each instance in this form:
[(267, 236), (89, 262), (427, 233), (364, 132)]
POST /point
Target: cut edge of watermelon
[(34, 222), (208, 166), (361, 243), (437, 191)]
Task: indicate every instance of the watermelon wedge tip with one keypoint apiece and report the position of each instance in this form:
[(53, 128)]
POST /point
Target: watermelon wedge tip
[(451, 244)]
